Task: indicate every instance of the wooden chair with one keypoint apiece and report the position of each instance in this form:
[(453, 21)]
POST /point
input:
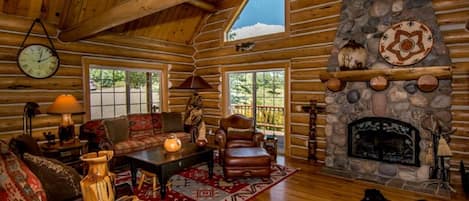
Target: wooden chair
[(153, 177)]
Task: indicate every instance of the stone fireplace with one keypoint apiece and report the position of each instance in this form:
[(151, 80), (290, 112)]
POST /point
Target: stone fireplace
[(381, 136)]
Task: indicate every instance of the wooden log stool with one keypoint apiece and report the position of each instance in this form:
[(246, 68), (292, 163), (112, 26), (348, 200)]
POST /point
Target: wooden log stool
[(153, 177)]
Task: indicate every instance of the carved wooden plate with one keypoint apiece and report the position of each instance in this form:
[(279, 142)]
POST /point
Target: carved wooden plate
[(406, 43)]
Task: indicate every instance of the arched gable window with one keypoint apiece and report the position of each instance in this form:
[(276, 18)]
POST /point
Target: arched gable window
[(257, 18)]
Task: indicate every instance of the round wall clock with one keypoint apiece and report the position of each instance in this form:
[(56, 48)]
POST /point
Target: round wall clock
[(406, 43), (38, 61)]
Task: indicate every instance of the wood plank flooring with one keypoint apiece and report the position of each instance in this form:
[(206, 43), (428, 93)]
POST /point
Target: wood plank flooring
[(307, 184)]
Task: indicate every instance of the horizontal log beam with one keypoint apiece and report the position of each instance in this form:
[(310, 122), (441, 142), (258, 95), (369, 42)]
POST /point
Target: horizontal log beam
[(440, 72), (117, 15), (145, 43), (202, 5)]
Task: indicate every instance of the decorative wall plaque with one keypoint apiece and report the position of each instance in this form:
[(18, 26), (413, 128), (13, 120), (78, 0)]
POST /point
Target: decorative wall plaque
[(406, 43)]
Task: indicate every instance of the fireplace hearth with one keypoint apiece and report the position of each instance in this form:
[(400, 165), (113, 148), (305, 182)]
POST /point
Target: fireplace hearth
[(384, 139)]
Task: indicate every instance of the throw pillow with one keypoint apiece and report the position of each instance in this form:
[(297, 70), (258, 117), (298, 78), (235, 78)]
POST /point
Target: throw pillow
[(17, 181), (239, 133), (60, 181), (117, 130), (172, 122)]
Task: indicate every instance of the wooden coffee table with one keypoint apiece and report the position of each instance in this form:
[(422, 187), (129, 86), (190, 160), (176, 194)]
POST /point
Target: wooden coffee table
[(165, 165)]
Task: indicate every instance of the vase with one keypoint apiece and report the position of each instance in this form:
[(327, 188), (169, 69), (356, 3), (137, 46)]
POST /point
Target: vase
[(352, 56), (98, 184), (201, 143), (172, 144)]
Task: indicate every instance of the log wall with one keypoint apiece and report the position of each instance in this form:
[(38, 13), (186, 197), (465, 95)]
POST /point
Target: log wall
[(305, 47), (452, 17), (16, 88)]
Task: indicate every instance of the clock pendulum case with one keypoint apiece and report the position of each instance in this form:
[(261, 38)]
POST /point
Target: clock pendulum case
[(36, 60)]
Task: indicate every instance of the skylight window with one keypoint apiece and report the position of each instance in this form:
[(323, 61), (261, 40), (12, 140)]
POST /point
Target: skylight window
[(258, 17)]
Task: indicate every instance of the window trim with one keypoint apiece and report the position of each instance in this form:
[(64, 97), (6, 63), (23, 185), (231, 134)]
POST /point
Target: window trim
[(232, 20), (126, 64)]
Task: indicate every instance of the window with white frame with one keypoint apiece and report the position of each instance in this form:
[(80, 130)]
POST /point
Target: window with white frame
[(120, 91)]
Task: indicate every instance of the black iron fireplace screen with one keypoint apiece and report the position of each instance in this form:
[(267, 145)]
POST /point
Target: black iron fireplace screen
[(384, 139)]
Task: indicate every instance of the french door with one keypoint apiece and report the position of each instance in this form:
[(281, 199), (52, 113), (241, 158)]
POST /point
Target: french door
[(261, 96)]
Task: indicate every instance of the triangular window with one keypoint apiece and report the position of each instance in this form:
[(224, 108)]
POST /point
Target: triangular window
[(258, 17)]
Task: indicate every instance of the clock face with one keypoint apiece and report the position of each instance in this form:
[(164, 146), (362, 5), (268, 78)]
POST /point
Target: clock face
[(38, 61)]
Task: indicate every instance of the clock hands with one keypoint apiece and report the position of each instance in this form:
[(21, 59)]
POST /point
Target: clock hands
[(41, 60)]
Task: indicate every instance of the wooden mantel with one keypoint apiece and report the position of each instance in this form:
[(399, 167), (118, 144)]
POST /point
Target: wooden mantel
[(392, 74)]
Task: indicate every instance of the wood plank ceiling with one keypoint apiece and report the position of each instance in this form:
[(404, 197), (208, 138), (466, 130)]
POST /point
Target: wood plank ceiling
[(176, 24)]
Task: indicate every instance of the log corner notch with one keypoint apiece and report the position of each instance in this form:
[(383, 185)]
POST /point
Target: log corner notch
[(123, 13), (393, 74)]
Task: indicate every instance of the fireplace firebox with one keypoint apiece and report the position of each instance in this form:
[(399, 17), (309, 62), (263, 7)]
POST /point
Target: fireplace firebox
[(384, 139)]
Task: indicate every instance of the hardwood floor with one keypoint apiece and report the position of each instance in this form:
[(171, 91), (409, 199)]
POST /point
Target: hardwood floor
[(307, 184)]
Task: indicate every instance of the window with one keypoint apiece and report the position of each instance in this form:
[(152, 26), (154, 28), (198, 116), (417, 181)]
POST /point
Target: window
[(258, 17), (119, 91)]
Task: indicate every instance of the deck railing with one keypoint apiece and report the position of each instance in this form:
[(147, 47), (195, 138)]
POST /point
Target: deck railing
[(270, 118)]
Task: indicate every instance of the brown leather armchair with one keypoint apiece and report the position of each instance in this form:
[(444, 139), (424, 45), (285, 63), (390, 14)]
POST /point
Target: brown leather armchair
[(237, 121)]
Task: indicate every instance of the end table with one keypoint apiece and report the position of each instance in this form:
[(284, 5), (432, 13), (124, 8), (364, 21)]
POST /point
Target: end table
[(270, 145), (69, 153)]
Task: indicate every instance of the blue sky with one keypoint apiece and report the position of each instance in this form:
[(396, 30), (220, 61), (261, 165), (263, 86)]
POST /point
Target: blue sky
[(263, 11)]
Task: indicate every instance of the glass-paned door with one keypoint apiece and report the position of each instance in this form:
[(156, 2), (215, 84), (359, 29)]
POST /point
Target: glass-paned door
[(260, 95)]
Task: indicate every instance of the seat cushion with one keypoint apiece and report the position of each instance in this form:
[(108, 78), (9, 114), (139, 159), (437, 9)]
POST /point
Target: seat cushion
[(247, 157), (128, 146), (240, 143)]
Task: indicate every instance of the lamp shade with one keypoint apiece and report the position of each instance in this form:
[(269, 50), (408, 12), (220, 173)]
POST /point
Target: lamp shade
[(194, 82), (65, 104)]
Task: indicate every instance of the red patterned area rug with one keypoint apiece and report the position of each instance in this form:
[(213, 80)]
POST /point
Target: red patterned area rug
[(194, 184)]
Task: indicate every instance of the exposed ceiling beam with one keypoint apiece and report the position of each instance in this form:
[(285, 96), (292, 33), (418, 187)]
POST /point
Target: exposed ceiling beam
[(120, 14), (202, 5)]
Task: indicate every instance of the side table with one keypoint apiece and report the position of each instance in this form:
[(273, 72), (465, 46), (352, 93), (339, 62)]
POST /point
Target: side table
[(69, 153), (270, 145)]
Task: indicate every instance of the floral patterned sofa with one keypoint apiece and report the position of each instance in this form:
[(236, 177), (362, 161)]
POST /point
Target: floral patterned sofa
[(145, 131)]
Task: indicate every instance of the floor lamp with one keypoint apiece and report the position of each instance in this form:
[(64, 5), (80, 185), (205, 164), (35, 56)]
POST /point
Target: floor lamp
[(193, 113)]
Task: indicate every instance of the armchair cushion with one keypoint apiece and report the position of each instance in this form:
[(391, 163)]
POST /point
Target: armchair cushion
[(240, 143), (239, 133)]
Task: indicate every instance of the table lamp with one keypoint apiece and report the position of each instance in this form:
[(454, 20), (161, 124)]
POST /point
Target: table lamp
[(65, 105)]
